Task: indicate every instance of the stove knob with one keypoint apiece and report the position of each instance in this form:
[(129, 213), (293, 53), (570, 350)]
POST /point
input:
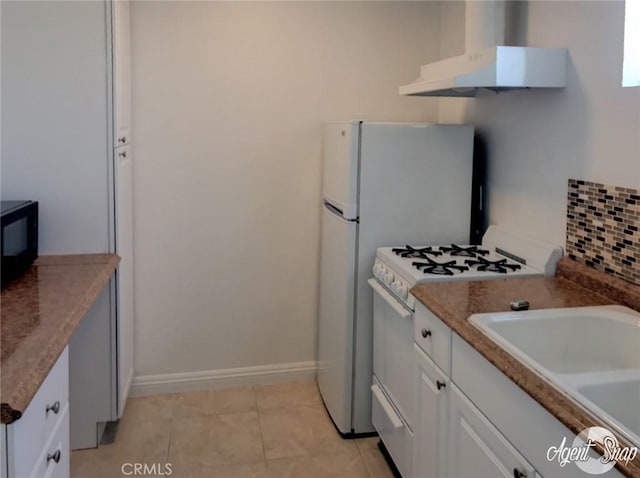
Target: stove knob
[(388, 278), (395, 287), (403, 292)]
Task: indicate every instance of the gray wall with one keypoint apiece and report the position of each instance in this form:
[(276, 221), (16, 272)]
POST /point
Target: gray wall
[(229, 99), (538, 139)]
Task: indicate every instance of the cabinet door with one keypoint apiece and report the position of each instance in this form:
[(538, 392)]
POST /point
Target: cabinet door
[(477, 448), (124, 274), (121, 72), (430, 443)]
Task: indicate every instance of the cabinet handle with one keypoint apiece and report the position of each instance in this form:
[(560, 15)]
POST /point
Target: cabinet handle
[(519, 474), (425, 333), (440, 384), (55, 408), (122, 139), (55, 456), (122, 154)]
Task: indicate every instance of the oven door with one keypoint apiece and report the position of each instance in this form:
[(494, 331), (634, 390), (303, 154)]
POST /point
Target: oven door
[(393, 350)]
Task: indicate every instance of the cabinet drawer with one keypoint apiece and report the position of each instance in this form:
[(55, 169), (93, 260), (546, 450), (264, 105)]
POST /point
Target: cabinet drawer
[(31, 432), (434, 337), (53, 461)]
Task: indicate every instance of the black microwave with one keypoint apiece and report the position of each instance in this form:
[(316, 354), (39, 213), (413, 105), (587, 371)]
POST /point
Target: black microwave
[(18, 237)]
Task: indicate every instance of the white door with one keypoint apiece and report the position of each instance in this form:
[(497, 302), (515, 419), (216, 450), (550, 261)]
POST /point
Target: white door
[(340, 167), (122, 72), (124, 248), (336, 315), (431, 434), (477, 448)]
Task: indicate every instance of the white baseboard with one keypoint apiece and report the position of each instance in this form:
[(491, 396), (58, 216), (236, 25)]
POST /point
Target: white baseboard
[(233, 377)]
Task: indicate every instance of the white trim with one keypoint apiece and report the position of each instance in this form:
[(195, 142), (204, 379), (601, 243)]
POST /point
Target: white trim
[(631, 62), (192, 381)]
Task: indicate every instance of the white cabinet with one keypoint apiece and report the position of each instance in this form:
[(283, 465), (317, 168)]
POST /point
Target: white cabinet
[(433, 388), (526, 425), (53, 461), (471, 419), (434, 337), (71, 120), (37, 445), (123, 165), (452, 436), (121, 40), (124, 274), (477, 448)]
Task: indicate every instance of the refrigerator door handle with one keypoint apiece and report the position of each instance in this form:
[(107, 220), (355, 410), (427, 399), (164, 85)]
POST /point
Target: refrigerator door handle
[(336, 211)]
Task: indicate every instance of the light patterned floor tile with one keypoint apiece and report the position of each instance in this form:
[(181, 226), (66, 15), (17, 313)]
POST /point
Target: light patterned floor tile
[(284, 395), (93, 463), (219, 434), (376, 464), (244, 470), (367, 443), (319, 466), (216, 440), (213, 402), (149, 408), (299, 431)]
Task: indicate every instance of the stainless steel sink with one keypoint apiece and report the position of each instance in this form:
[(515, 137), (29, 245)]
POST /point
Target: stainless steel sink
[(591, 353)]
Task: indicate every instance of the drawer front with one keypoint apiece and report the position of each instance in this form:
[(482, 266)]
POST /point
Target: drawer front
[(31, 432), (53, 461), (434, 337), (393, 431)]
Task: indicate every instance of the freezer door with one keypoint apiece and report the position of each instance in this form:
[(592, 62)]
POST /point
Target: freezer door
[(340, 167), (336, 316)]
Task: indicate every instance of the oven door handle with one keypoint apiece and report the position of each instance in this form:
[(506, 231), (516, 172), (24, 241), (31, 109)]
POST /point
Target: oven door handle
[(389, 299)]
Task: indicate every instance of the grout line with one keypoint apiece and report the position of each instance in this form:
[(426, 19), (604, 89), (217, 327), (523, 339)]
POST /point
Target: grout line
[(264, 452), (170, 437)]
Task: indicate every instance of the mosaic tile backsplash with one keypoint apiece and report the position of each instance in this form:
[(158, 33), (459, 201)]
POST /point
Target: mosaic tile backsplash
[(602, 228)]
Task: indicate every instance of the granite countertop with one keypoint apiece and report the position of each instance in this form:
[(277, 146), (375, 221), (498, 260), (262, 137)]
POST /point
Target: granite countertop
[(40, 313), (574, 286)]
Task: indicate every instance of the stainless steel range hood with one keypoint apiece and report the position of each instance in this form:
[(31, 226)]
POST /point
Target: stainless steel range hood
[(498, 68), (488, 64)]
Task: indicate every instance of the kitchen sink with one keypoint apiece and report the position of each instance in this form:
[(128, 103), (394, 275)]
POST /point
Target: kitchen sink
[(590, 353), (571, 340), (619, 401)]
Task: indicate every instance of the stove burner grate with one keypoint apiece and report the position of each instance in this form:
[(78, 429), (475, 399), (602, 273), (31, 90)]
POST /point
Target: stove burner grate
[(459, 251), (420, 253), (439, 268), (500, 266)]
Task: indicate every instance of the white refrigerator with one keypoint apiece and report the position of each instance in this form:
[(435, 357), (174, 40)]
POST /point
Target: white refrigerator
[(384, 184)]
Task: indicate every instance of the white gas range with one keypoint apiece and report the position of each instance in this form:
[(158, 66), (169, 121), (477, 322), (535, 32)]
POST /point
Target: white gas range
[(504, 253)]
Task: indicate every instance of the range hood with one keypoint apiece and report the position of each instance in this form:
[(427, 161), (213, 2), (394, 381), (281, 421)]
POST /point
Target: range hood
[(498, 68), (486, 63)]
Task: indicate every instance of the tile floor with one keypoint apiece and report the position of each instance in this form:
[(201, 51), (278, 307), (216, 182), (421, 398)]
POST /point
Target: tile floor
[(264, 431)]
